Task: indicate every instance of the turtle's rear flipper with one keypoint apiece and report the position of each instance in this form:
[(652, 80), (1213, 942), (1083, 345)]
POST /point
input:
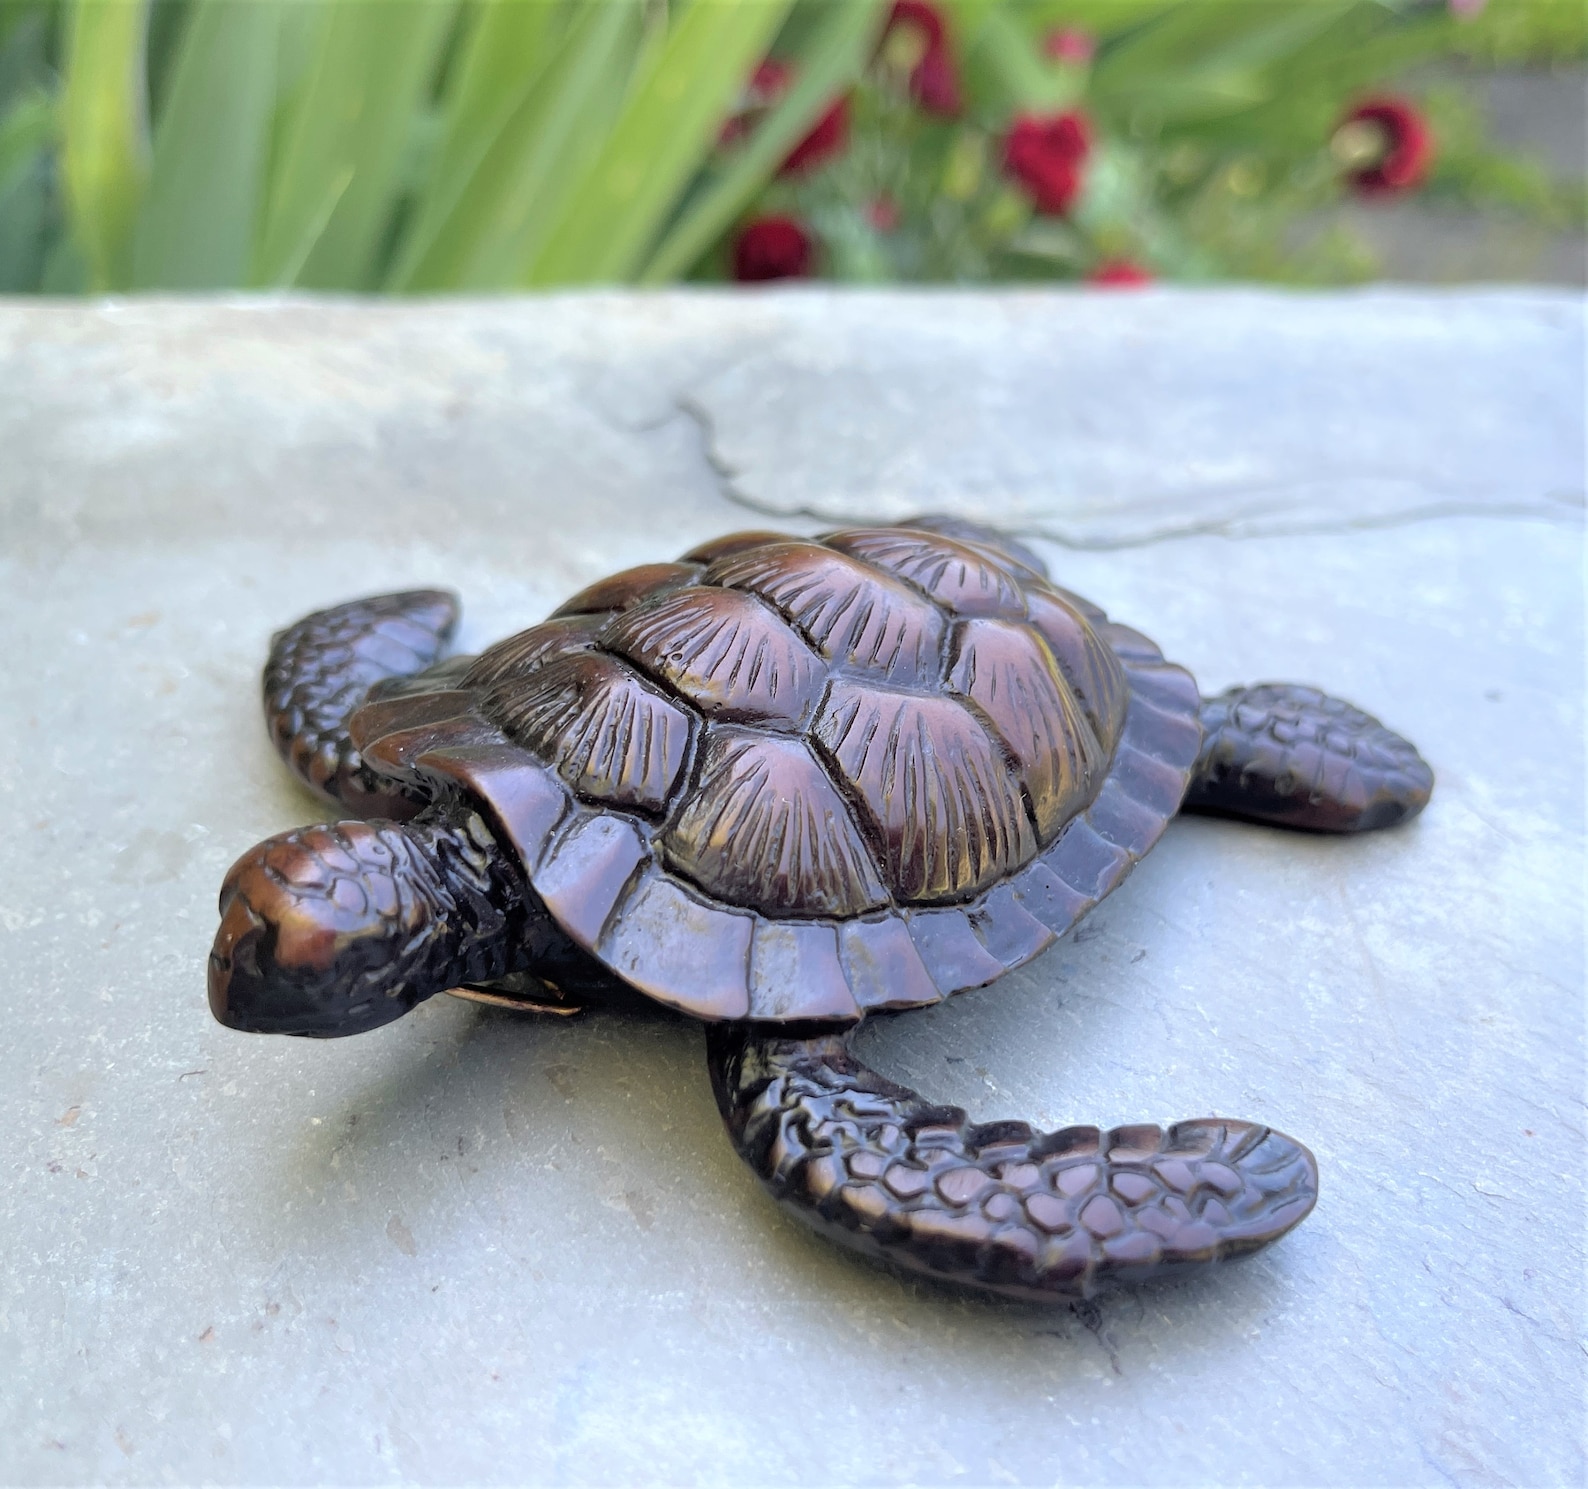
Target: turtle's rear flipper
[(1043, 1216), (1295, 757), (322, 668)]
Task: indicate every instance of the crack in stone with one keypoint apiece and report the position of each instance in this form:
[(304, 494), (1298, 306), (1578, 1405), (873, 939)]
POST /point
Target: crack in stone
[(1563, 508), (695, 414), (1230, 527)]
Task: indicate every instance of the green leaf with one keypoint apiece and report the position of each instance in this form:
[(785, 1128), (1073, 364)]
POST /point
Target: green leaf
[(105, 125), (667, 128), (335, 180), (502, 58), (833, 56), (25, 35), (26, 130), (504, 209), (1210, 58), (211, 150), (1024, 81)]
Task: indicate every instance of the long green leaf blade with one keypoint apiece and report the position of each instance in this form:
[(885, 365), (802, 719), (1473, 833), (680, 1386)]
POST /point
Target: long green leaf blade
[(25, 131), (211, 150), (344, 140), (510, 203), (106, 152), (504, 58), (666, 130), (832, 59)]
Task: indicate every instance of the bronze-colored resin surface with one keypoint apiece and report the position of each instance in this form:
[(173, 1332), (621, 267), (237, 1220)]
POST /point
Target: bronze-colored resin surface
[(779, 785)]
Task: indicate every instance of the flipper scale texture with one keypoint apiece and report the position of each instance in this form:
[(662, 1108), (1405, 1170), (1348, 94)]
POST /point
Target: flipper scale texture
[(1041, 1216), (322, 668), (1293, 756)]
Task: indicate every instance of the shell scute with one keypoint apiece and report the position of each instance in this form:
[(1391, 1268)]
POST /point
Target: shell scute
[(625, 589), (795, 972), (1001, 547), (714, 548), (1007, 671), (612, 737), (519, 655), (765, 827), (790, 779), (1047, 897), (853, 614), (1087, 663), (949, 817), (728, 653), (1007, 929), (585, 871), (883, 965), (964, 579), (1087, 861), (952, 951), (693, 957)]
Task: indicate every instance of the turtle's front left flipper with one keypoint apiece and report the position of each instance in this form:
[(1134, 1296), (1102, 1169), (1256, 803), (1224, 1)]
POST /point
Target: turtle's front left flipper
[(1292, 756), (1043, 1216), (322, 668)]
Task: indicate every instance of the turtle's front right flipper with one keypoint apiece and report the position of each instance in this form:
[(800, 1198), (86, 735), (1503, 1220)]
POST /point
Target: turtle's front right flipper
[(1292, 756), (322, 668), (1048, 1217)]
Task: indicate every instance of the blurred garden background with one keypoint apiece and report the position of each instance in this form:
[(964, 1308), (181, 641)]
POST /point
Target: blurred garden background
[(422, 146)]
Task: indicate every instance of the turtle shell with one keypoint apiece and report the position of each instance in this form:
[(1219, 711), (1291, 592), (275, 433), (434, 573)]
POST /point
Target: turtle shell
[(789, 779)]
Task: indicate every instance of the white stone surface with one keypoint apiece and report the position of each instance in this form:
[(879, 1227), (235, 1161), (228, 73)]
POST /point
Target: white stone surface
[(474, 1248)]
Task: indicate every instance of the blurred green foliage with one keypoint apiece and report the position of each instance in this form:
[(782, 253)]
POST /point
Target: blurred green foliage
[(427, 145)]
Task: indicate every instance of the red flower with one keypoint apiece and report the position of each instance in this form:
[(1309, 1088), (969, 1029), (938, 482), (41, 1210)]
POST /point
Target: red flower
[(883, 214), (1406, 152), (1119, 274), (828, 138), (772, 248), (1069, 44), (934, 79), (1046, 154)]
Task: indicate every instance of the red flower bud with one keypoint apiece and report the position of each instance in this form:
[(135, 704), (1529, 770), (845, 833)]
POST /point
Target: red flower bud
[(768, 83), (1047, 155), (924, 16), (1070, 45), (772, 248), (828, 138), (934, 80), (1119, 274), (1408, 147)]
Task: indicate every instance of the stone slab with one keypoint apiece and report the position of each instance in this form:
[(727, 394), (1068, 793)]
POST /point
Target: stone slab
[(478, 1247)]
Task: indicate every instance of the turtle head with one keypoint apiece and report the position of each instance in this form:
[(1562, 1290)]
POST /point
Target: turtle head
[(324, 932)]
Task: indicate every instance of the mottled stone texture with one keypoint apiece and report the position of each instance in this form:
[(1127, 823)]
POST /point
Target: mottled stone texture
[(477, 1247)]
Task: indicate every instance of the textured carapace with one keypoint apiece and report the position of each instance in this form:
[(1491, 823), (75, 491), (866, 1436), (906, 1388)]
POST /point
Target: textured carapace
[(862, 771)]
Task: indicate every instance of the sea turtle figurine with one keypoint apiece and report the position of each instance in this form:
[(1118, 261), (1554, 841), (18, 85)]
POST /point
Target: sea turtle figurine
[(778, 786)]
